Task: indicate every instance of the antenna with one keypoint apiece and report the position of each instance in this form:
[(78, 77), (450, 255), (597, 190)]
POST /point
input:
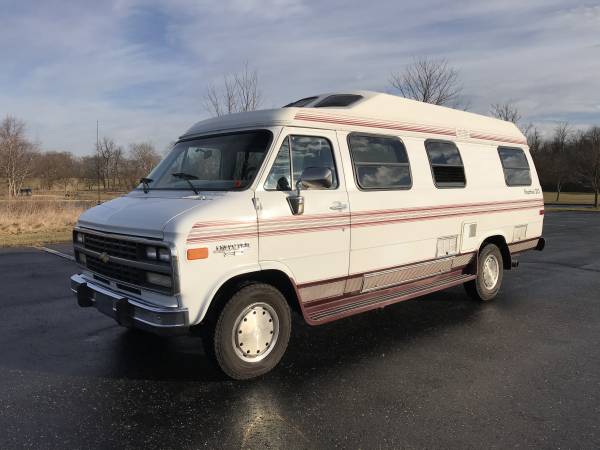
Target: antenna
[(98, 160)]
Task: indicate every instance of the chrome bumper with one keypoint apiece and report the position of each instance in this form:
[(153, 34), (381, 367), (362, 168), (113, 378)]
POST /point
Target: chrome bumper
[(130, 312)]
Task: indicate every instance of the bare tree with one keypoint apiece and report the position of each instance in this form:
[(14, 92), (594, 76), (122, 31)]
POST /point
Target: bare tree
[(429, 81), (143, 157), (16, 154), (239, 93), (534, 140), (109, 156), (560, 158), (588, 160), (88, 170), (506, 111), (55, 167)]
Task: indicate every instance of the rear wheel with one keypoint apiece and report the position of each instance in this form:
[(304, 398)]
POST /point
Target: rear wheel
[(252, 331), (490, 272)]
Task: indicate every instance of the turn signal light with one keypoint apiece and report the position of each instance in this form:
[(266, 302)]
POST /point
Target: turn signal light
[(197, 253)]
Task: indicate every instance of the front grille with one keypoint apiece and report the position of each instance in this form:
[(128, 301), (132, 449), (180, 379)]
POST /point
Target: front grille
[(114, 247), (117, 271), (131, 252)]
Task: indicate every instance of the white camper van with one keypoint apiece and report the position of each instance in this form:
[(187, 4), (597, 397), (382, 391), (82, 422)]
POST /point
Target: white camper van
[(330, 206)]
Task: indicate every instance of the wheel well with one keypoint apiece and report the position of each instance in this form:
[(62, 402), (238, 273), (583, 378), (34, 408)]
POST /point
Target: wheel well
[(500, 242), (275, 278)]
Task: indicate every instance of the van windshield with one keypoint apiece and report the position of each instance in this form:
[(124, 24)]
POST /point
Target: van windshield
[(214, 163)]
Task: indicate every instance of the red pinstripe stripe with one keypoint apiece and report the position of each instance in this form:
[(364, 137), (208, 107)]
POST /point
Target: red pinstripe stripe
[(406, 127), (523, 205), (427, 208), (438, 216), (372, 124)]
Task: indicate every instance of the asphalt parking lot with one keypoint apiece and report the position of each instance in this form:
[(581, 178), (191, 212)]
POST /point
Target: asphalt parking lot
[(437, 372)]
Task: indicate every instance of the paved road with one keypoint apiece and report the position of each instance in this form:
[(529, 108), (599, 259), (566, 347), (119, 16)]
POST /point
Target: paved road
[(442, 371)]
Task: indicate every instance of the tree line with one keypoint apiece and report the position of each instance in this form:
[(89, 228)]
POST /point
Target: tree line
[(565, 159), (111, 167)]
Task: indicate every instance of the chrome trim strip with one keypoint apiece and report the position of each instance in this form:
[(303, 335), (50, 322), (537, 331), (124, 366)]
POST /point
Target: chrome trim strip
[(150, 267)]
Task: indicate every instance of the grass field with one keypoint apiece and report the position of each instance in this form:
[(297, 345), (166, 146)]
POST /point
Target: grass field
[(573, 198), (49, 217), (34, 221)]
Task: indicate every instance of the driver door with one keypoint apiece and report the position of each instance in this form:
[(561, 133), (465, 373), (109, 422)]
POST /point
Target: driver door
[(314, 245)]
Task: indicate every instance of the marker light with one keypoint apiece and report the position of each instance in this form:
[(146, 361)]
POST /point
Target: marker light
[(197, 253)]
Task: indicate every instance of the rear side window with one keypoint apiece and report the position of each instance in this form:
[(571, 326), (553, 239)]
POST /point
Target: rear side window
[(446, 164), (380, 162), (515, 166)]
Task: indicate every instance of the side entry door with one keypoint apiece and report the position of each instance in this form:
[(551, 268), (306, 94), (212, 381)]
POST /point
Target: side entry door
[(315, 244)]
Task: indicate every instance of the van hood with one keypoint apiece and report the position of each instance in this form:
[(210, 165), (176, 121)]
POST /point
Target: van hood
[(141, 215)]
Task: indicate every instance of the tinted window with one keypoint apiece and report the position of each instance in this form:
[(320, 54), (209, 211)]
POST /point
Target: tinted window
[(219, 162), (338, 100), (300, 103), (380, 162), (306, 151), (515, 166), (446, 164)]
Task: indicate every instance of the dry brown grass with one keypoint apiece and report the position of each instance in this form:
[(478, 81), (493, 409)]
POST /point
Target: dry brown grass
[(35, 221)]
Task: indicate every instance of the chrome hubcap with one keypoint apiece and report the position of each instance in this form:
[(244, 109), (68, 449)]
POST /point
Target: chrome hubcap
[(491, 271), (255, 332)]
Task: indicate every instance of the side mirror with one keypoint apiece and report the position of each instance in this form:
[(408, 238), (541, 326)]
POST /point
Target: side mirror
[(311, 178)]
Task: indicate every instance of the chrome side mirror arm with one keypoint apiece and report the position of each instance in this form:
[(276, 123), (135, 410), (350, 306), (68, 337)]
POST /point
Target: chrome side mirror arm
[(296, 202)]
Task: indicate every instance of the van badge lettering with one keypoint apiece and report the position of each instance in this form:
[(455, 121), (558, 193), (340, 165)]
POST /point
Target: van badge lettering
[(232, 249)]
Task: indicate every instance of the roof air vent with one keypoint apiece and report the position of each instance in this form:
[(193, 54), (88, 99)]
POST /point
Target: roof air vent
[(302, 102), (339, 100)]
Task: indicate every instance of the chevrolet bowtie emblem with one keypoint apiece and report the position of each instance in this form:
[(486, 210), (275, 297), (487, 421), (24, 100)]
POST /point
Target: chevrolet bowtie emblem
[(104, 257)]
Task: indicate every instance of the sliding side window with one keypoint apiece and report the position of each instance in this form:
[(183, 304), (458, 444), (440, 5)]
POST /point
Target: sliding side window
[(446, 164), (380, 162), (515, 166)]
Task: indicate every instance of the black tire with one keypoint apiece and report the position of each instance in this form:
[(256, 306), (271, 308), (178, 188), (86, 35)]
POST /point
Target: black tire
[(225, 348), (477, 288)]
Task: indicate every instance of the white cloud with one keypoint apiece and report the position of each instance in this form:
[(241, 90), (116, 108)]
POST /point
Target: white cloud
[(64, 65)]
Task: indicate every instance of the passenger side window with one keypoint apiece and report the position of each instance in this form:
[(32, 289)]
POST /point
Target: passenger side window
[(515, 166), (380, 162), (446, 164), (305, 151)]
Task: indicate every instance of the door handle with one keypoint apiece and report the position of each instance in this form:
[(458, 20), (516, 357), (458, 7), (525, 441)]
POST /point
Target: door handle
[(338, 206)]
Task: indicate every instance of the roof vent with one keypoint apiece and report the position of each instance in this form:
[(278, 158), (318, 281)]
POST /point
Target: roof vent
[(339, 100), (302, 102)]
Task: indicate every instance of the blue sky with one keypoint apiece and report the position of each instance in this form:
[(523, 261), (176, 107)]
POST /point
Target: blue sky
[(141, 66)]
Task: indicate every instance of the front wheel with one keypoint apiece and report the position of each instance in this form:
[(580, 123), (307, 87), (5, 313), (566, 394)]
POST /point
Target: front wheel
[(252, 331), (490, 272)]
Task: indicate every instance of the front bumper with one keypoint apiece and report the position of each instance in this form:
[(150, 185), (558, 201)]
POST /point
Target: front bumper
[(130, 312)]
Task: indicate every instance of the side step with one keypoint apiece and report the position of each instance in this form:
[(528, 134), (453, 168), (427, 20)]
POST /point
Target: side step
[(336, 308)]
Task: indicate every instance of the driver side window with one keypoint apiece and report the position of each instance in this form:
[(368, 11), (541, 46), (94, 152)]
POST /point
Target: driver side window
[(305, 151)]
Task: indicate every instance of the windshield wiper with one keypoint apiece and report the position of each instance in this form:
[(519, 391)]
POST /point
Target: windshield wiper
[(146, 184), (187, 177)]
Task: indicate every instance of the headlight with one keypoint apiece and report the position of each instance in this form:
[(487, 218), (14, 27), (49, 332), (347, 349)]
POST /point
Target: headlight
[(164, 254), (158, 279), (151, 252), (158, 253), (79, 238), (82, 259)]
